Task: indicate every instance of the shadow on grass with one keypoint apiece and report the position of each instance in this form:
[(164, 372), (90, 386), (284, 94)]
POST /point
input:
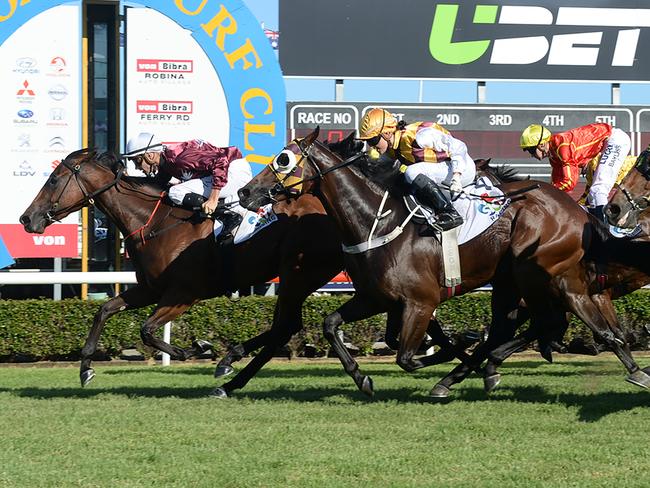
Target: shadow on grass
[(591, 407)]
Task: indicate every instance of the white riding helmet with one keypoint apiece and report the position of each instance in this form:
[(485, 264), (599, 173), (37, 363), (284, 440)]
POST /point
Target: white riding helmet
[(143, 142)]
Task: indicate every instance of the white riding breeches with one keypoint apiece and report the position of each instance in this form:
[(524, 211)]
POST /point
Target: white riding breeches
[(442, 172), (611, 161), (239, 173)]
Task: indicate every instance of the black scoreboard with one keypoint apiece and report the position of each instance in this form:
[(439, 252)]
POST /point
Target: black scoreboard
[(490, 131)]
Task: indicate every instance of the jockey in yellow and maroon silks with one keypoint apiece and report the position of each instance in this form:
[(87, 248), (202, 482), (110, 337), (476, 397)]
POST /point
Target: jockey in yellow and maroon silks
[(417, 146), (571, 151)]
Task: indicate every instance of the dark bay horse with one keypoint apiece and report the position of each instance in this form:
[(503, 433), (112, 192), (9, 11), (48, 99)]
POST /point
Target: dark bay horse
[(177, 261), (534, 251)]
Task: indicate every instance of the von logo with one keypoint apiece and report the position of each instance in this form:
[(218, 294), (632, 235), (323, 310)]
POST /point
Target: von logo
[(49, 240), (527, 34)]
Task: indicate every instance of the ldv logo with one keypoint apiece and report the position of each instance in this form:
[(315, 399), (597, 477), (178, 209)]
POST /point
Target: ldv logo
[(569, 49)]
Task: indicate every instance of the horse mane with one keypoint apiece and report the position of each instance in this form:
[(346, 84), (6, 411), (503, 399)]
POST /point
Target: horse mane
[(381, 173), (504, 173)]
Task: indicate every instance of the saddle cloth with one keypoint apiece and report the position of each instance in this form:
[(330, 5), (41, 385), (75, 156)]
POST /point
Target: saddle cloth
[(480, 205), (251, 224)]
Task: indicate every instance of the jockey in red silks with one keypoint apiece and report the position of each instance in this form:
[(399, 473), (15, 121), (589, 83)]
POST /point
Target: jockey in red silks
[(600, 145)]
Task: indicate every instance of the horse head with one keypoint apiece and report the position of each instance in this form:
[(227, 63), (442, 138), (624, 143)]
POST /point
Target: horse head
[(81, 176), (282, 178), (632, 195)]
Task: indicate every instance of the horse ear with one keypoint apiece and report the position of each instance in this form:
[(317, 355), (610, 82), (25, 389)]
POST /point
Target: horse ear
[(313, 136)]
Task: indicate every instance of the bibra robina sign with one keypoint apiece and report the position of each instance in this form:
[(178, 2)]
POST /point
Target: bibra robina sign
[(247, 70)]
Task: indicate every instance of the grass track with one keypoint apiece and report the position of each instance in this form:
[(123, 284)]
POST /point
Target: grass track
[(304, 424)]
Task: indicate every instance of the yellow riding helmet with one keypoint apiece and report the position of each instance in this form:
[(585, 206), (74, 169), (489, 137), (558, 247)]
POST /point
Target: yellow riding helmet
[(533, 136), (375, 122)]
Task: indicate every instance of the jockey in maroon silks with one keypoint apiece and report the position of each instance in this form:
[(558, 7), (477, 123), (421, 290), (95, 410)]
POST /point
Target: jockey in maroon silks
[(204, 173)]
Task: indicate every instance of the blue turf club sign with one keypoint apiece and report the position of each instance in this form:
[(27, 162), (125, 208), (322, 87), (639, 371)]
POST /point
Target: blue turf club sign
[(241, 54)]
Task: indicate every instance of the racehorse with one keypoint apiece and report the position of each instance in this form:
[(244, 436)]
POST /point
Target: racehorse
[(176, 259), (534, 251), (178, 263)]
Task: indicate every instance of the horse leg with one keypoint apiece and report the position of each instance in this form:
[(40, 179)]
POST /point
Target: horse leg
[(416, 318), (238, 351), (287, 321), (235, 353), (584, 307), (604, 303), (166, 312), (505, 304), (357, 308), (133, 298)]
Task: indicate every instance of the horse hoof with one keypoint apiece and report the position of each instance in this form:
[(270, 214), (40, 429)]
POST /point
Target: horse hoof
[(639, 378), (440, 391), (491, 382), (86, 376), (202, 345), (218, 393), (222, 371), (366, 386), (547, 354)]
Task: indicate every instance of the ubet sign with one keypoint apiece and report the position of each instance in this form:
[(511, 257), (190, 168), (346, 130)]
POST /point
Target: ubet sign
[(568, 49), (599, 40)]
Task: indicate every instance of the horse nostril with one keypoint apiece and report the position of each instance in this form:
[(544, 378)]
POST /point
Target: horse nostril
[(243, 193), (24, 219), (613, 210)]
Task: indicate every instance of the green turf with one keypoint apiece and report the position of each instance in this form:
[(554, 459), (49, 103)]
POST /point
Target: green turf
[(304, 424)]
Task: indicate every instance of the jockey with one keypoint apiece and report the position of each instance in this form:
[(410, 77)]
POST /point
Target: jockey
[(429, 155), (602, 145), (205, 173)]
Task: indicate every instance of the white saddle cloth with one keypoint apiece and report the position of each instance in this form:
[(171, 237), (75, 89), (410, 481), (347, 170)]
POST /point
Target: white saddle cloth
[(251, 224), (480, 205)]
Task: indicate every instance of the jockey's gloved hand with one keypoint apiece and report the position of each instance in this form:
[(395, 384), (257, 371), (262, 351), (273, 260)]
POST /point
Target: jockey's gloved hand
[(455, 187)]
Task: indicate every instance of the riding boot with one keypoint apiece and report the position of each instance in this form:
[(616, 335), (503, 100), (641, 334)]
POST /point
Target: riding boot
[(429, 193), (230, 221), (599, 213), (600, 261), (193, 201)]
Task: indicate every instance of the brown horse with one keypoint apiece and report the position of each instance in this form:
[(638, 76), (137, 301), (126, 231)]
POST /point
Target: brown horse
[(534, 251), (606, 280), (177, 261)]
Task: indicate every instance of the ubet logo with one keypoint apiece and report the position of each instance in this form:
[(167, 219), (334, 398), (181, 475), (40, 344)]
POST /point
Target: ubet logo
[(573, 49)]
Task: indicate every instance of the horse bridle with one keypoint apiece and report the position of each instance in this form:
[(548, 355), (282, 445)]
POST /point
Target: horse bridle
[(281, 188), (88, 196), (637, 204)]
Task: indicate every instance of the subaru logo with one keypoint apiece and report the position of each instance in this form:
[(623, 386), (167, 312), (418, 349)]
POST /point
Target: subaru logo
[(25, 114)]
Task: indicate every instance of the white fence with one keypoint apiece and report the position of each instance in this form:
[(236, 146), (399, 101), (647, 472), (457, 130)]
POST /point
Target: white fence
[(31, 277)]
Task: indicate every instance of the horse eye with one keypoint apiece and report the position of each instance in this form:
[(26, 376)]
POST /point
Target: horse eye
[(283, 160)]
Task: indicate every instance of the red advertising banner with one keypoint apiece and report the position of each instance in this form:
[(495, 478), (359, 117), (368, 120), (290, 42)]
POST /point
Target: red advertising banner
[(58, 241)]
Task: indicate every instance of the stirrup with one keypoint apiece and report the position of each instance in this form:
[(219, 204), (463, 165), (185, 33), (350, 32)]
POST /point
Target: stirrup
[(448, 221), (229, 220)]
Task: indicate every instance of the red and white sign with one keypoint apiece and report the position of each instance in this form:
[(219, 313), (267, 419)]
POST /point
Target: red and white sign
[(165, 66), (40, 92), (58, 241), (163, 107), (174, 89)]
